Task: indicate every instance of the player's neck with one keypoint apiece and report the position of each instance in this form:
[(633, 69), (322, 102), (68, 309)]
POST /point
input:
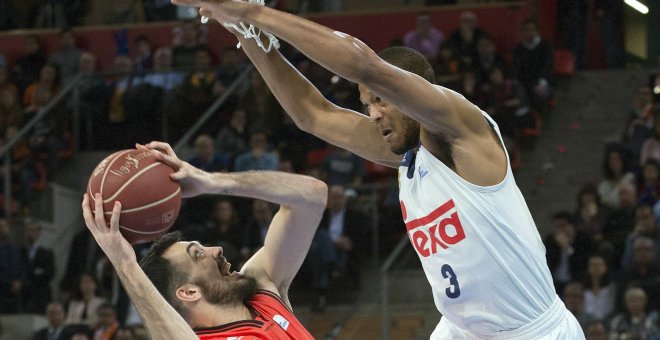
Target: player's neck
[(208, 315)]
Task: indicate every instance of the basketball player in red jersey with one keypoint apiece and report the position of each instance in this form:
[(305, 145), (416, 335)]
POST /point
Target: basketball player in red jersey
[(184, 290)]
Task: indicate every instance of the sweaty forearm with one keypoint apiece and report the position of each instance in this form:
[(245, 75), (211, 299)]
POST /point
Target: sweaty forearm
[(277, 187), (160, 319)]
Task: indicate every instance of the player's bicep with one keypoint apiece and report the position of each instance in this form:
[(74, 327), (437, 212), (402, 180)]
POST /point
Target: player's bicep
[(352, 131)]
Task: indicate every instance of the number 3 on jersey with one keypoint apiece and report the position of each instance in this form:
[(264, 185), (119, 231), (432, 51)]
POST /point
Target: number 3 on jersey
[(453, 291)]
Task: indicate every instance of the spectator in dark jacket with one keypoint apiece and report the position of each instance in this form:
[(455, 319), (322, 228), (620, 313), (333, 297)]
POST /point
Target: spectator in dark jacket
[(12, 271), (40, 270), (534, 66)]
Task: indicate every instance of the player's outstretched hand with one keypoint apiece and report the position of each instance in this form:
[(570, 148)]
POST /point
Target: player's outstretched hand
[(113, 244), (225, 11), (193, 181)]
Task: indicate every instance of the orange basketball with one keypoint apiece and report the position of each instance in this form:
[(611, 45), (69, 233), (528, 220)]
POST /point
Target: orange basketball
[(150, 199)]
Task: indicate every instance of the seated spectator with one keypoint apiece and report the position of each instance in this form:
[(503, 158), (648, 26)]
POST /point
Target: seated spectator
[(206, 158), (28, 66), (42, 92), (426, 39), (447, 67), (12, 271), (143, 58), (640, 121), (645, 226), (464, 39), (40, 270), (488, 59), (94, 102), (11, 112), (341, 167), (615, 171), (533, 66), (224, 228), (258, 158), (649, 185), (186, 45), (573, 296), (600, 290), (620, 221), (107, 324), (83, 309), (470, 88), (591, 215), (67, 57), (505, 103), (232, 138), (55, 316), (566, 250), (164, 77), (595, 330), (644, 273), (651, 146), (636, 322)]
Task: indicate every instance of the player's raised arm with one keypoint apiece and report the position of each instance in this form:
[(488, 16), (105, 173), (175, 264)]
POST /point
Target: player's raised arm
[(438, 110), (315, 114)]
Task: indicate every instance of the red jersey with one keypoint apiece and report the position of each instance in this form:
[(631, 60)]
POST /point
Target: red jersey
[(274, 320)]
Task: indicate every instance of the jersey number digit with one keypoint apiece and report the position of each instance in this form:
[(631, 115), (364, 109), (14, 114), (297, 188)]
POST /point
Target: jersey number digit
[(453, 291)]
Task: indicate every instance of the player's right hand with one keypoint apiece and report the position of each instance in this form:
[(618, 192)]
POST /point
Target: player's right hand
[(193, 181), (113, 244)]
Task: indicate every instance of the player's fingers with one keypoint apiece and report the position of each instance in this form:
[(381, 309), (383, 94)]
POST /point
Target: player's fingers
[(114, 219), (174, 162), (140, 146), (99, 215), (87, 215), (179, 175), (165, 147)]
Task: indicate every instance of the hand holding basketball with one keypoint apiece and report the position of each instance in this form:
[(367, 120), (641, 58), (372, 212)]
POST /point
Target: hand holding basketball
[(111, 241), (193, 181)]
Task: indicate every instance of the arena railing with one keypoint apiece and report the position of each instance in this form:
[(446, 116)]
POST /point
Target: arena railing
[(5, 150)]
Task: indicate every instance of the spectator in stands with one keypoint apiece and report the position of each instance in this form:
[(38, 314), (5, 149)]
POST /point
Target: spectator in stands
[(600, 292), (263, 110), (610, 13), (649, 184), (651, 146), (232, 138), (645, 226), (83, 255), (11, 111), (636, 322), (341, 167), (615, 171), (225, 229), (566, 250), (40, 93), (505, 103), (573, 296), (590, 215), (164, 77), (620, 221), (644, 273), (572, 23), (143, 58), (5, 84), (12, 271), (185, 49), (206, 158), (107, 325), (40, 270), (258, 158), (347, 230), (257, 226), (83, 309), (28, 66), (533, 66), (67, 57), (55, 316), (447, 67), (126, 333), (469, 87), (94, 100), (464, 39), (596, 330), (640, 121), (488, 59), (230, 66), (51, 14), (425, 38)]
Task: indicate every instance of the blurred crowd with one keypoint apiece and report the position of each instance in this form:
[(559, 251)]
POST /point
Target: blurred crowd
[(603, 256)]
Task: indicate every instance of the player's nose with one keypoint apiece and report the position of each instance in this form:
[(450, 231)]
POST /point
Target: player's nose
[(217, 251), (375, 115)]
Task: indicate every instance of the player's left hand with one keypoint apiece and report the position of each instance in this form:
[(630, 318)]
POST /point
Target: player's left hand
[(113, 244), (225, 11)]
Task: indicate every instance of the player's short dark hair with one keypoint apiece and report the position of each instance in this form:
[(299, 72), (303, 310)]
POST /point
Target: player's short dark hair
[(163, 274), (410, 60)]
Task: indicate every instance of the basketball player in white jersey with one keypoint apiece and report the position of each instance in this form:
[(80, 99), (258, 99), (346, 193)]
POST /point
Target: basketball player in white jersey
[(465, 216)]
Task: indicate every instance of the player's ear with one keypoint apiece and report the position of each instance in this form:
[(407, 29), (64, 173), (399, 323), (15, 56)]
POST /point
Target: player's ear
[(189, 293)]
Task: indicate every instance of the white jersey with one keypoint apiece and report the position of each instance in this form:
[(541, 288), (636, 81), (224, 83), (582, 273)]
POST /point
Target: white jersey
[(479, 246)]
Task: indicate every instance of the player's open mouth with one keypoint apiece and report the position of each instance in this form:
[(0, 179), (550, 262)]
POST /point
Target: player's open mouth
[(225, 268)]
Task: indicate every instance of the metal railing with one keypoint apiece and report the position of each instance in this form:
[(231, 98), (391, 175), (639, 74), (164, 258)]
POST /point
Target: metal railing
[(5, 150)]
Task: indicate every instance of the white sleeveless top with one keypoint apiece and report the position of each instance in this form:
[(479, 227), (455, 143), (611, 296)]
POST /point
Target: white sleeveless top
[(479, 246)]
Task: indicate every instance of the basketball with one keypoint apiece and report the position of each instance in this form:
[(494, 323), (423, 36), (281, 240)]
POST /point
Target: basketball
[(150, 199)]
